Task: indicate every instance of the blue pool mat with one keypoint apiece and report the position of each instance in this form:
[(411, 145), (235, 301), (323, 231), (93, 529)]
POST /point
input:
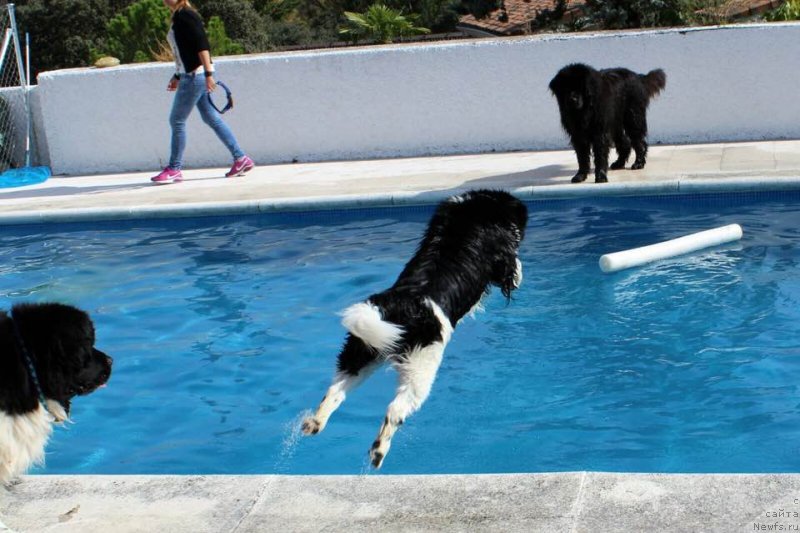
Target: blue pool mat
[(17, 177)]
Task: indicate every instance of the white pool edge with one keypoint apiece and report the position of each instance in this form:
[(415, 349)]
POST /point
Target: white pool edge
[(402, 198)]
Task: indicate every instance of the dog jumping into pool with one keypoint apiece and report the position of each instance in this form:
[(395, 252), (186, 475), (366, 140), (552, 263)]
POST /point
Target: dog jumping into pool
[(47, 357), (471, 243), (599, 107)]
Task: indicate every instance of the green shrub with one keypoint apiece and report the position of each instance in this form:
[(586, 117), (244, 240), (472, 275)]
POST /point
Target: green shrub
[(62, 33), (790, 10), (379, 23), (242, 22), (620, 14), (221, 44), (138, 33)]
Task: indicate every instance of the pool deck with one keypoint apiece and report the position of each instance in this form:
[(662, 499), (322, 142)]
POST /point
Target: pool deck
[(563, 502), (569, 501), (670, 169)]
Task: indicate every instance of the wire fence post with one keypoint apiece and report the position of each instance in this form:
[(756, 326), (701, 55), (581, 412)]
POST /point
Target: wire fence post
[(14, 100), (22, 77)]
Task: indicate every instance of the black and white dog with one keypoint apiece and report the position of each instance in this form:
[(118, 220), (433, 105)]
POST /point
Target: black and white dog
[(471, 243), (47, 357)]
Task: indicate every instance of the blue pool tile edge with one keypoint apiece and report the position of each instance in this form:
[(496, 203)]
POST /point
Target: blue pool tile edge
[(539, 192)]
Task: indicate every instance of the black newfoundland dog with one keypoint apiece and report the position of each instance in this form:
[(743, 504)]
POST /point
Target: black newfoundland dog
[(47, 357), (599, 107), (471, 243)]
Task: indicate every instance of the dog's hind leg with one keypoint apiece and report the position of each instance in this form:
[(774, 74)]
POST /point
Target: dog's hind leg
[(600, 150), (417, 374), (356, 362), (417, 371), (636, 126)]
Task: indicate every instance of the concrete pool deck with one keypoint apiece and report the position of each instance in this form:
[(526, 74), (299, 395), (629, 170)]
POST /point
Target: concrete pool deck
[(563, 502), (670, 169), (571, 501)]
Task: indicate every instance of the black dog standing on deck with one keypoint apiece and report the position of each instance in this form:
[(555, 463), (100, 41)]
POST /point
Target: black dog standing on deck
[(471, 243), (599, 107), (47, 357)]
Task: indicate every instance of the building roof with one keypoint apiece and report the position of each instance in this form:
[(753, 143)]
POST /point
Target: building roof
[(519, 13), (733, 9)]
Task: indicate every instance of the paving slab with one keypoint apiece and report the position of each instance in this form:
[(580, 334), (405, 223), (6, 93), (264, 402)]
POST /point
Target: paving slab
[(124, 504), (417, 503), (689, 502)]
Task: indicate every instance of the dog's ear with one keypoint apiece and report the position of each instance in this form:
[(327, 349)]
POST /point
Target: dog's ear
[(504, 271), (592, 87), (17, 393), (557, 85), (520, 219)]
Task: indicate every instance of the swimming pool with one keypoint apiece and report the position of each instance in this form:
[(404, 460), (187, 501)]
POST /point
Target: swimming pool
[(224, 331)]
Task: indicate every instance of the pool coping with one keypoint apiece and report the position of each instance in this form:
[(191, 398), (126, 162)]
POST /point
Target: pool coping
[(569, 501), (687, 185)]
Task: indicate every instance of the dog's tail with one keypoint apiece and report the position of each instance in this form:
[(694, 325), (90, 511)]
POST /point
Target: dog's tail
[(364, 320), (654, 81)]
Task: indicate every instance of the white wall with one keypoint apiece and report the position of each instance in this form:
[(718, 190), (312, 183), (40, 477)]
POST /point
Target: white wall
[(723, 84)]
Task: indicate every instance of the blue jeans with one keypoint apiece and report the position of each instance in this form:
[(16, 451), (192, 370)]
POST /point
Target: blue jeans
[(191, 92)]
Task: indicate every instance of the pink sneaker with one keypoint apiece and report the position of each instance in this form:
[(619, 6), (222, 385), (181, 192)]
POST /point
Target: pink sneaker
[(167, 175), (240, 166)]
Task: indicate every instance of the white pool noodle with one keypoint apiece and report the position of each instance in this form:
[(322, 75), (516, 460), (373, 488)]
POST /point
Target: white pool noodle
[(671, 248)]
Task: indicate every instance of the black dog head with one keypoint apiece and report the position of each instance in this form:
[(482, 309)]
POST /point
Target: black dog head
[(500, 220), (59, 339), (575, 86)]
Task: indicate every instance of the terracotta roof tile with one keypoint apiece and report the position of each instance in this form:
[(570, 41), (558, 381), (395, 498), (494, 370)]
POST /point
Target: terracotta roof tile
[(744, 8), (520, 13)]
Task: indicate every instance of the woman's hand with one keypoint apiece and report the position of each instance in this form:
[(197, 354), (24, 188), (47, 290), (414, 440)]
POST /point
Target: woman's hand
[(173, 84), (210, 84)]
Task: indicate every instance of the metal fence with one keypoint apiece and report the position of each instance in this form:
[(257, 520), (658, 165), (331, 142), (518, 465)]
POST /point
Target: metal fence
[(14, 104)]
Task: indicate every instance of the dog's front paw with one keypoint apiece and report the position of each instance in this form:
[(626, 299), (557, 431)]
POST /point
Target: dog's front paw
[(637, 165), (378, 452), (600, 177), (618, 164), (518, 273), (579, 177), (311, 426)]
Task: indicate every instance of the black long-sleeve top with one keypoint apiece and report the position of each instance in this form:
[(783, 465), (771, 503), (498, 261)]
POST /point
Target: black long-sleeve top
[(190, 37)]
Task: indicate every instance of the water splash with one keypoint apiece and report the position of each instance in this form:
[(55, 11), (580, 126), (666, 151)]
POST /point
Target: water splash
[(95, 458), (291, 437), (366, 467)]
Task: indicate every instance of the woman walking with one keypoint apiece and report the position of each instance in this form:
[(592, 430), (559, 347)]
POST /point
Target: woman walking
[(192, 81)]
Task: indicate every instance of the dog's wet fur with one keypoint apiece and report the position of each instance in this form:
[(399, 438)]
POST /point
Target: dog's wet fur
[(471, 244)]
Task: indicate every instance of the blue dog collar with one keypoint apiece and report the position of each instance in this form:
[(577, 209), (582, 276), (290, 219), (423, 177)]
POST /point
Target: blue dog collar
[(29, 364), (228, 96)]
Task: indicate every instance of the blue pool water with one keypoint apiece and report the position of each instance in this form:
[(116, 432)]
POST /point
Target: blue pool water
[(225, 330)]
